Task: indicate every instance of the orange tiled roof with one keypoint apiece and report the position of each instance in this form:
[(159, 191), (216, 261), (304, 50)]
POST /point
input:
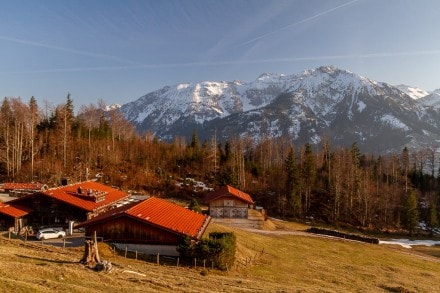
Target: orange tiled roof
[(163, 214), (228, 190), (69, 195), (13, 211), (23, 186)]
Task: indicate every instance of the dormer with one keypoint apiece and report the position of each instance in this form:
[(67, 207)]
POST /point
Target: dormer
[(90, 194)]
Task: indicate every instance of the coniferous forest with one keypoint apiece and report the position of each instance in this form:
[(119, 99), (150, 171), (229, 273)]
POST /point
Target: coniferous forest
[(331, 184)]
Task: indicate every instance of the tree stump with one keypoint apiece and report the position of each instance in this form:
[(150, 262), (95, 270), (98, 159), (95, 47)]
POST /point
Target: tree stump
[(91, 253)]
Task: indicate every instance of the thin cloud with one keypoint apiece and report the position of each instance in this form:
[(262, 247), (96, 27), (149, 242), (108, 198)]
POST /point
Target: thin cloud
[(68, 50), (233, 62), (296, 23)]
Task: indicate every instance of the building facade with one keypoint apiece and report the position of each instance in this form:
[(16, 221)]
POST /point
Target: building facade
[(228, 202)]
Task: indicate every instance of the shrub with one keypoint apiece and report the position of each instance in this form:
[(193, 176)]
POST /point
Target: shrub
[(218, 249)]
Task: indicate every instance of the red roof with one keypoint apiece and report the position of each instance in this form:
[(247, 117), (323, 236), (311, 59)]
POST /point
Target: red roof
[(70, 195), (163, 214), (228, 190), (23, 186), (13, 211)]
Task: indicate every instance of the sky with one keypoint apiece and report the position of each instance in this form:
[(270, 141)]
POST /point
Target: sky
[(118, 51)]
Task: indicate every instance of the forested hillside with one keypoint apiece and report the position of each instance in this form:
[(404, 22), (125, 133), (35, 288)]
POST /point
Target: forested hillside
[(329, 183)]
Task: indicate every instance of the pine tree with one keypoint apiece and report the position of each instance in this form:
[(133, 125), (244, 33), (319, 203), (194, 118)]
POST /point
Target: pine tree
[(292, 182), (432, 218), (410, 212), (194, 206), (195, 141), (405, 166), (67, 117)]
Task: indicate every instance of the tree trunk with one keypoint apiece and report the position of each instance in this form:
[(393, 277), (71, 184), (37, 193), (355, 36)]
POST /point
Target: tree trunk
[(91, 253)]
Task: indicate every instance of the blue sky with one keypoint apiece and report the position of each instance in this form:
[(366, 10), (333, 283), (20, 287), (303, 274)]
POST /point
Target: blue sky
[(120, 50)]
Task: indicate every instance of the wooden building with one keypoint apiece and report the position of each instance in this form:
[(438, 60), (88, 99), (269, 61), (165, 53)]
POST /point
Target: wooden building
[(71, 203), (228, 202), (12, 217), (21, 189), (151, 226)]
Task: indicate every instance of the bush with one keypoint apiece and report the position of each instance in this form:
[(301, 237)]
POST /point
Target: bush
[(218, 249)]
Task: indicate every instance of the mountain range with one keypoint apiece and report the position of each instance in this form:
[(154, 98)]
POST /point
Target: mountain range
[(325, 103)]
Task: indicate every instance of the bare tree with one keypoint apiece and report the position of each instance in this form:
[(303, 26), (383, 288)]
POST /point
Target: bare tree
[(34, 119)]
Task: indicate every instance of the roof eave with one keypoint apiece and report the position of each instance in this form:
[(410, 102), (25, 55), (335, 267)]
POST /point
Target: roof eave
[(230, 195), (203, 228), (94, 221)]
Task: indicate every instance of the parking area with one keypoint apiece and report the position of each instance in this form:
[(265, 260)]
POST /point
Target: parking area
[(4, 197), (75, 240)]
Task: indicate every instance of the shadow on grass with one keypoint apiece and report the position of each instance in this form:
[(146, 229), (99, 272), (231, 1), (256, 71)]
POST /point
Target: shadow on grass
[(47, 260), (397, 289)]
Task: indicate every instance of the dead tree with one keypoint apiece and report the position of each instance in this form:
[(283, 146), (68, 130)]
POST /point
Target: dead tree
[(91, 256), (91, 253)]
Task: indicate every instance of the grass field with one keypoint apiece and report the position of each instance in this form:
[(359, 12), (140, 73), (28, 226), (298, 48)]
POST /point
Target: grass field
[(273, 262)]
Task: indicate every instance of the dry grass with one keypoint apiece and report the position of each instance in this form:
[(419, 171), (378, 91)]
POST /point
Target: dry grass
[(265, 263)]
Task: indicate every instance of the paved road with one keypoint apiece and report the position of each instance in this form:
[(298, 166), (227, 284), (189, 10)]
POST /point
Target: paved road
[(76, 240)]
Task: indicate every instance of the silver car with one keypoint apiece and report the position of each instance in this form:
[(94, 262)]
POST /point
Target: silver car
[(50, 233)]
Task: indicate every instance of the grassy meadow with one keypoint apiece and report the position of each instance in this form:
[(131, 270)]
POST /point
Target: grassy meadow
[(283, 259)]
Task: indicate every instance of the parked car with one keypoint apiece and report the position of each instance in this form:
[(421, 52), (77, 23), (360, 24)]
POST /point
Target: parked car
[(49, 233)]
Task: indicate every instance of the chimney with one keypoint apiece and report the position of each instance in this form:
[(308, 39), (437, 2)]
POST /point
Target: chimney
[(64, 181)]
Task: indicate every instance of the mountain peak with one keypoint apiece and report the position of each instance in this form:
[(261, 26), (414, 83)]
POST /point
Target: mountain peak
[(328, 69), (269, 76)]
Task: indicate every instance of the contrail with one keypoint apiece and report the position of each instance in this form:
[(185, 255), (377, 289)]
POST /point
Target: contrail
[(296, 23), (231, 62), (73, 51)]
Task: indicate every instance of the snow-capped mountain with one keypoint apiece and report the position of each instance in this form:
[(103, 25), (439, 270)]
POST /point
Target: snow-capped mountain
[(323, 103), (178, 110), (432, 100), (414, 92)]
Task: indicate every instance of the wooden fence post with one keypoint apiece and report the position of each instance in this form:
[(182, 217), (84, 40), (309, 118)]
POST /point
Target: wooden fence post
[(126, 251), (177, 261), (157, 259)]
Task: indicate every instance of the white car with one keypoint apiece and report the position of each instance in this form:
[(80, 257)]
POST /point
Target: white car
[(49, 233)]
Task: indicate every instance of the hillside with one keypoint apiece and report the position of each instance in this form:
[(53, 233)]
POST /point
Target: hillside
[(277, 262)]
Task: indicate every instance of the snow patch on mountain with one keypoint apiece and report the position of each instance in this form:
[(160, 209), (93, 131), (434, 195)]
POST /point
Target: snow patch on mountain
[(112, 107), (414, 92), (432, 100), (394, 122), (361, 106)]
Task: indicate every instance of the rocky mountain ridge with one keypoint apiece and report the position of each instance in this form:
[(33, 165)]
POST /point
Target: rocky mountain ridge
[(322, 103)]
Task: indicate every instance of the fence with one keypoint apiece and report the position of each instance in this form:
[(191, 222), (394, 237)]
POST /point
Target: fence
[(344, 235), (124, 251)]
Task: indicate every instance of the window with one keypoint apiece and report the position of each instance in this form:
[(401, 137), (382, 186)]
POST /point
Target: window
[(228, 203)]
